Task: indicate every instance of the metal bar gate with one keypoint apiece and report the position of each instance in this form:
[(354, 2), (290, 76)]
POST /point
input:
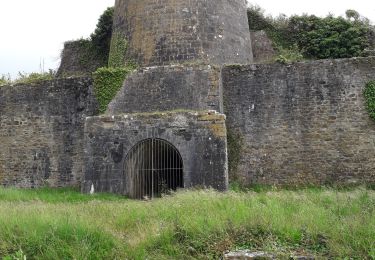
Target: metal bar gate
[(153, 167)]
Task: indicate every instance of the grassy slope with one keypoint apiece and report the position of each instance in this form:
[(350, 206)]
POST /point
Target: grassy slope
[(63, 224)]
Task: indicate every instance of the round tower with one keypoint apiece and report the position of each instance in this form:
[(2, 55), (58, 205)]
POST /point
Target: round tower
[(165, 32)]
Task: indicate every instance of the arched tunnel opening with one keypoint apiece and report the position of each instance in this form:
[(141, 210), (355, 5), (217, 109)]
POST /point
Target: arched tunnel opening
[(153, 167)]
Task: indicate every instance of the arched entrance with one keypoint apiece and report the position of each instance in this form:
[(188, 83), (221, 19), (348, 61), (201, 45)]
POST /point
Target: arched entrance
[(153, 167)]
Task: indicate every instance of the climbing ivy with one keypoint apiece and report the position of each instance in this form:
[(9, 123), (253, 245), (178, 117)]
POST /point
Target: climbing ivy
[(107, 82), (118, 51), (369, 94)]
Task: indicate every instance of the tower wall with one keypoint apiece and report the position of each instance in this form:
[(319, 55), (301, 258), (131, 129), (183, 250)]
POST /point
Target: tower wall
[(176, 31)]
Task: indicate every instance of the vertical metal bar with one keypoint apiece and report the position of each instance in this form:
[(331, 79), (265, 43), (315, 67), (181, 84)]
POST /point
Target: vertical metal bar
[(142, 170), (152, 180), (132, 176), (165, 183), (148, 166), (137, 171), (175, 168), (166, 167), (158, 169)]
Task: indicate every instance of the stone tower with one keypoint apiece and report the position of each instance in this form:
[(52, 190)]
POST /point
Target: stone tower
[(165, 32), (174, 99)]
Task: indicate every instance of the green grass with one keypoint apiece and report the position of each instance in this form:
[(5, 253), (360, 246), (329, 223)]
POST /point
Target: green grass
[(63, 224)]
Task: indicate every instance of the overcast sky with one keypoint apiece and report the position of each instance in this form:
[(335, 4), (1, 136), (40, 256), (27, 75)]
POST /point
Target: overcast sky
[(33, 31)]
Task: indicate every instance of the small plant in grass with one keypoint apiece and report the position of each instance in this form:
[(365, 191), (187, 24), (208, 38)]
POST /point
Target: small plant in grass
[(19, 255), (369, 94)]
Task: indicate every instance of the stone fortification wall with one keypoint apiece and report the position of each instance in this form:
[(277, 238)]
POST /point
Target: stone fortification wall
[(41, 132), (303, 123), (177, 31), (78, 58), (263, 50), (170, 88), (200, 139)]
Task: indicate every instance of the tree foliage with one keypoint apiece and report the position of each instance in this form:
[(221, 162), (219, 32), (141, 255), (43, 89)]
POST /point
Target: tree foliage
[(329, 37), (101, 38), (316, 37)]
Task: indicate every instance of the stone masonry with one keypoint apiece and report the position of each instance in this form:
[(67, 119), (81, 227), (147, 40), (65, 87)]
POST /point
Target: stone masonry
[(179, 31), (199, 137), (291, 124), (41, 132), (302, 124)]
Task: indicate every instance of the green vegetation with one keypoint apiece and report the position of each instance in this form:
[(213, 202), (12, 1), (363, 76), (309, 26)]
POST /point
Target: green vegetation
[(34, 77), (101, 38), (235, 146), (369, 94), (312, 37), (107, 82), (63, 224), (27, 78), (97, 46), (118, 51), (5, 80)]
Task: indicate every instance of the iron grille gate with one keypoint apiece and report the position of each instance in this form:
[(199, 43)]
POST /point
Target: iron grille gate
[(153, 167)]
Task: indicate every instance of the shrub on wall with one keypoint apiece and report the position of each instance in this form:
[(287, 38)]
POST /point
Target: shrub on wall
[(316, 37), (5, 80), (107, 82), (329, 37), (370, 98), (34, 77)]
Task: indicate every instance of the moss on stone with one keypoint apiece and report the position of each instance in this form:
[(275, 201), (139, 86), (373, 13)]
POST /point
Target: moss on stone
[(219, 130)]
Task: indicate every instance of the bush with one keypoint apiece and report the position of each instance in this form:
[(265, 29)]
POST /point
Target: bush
[(34, 77), (369, 94), (329, 37), (315, 37)]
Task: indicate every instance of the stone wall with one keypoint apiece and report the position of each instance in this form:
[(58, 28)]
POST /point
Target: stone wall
[(41, 132), (170, 88), (303, 123), (175, 31), (200, 139), (262, 45), (78, 58)]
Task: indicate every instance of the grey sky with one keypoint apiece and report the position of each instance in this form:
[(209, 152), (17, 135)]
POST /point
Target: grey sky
[(33, 31)]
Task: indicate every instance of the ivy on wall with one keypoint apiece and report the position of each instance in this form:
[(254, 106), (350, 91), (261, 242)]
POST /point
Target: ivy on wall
[(118, 51), (107, 82), (369, 94)]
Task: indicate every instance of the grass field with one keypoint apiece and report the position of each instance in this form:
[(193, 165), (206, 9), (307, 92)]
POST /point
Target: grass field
[(64, 224)]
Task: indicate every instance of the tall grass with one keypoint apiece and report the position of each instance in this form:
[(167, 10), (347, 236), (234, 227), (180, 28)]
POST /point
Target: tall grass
[(64, 224)]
